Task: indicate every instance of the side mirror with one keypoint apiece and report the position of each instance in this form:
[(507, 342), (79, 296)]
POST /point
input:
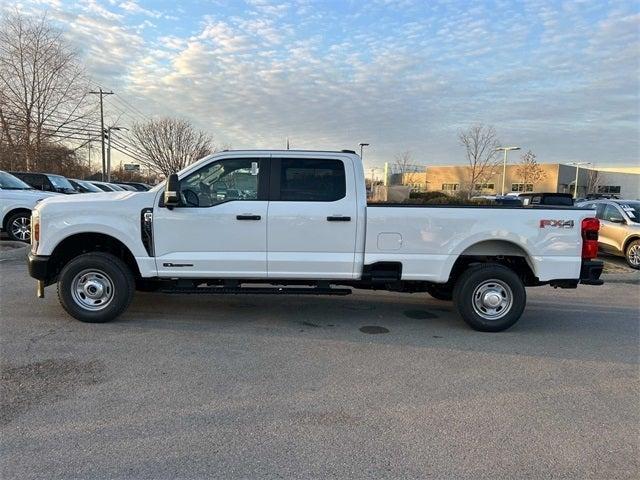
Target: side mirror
[(172, 191), (617, 220)]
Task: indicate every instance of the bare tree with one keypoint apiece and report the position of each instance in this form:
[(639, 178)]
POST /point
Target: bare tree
[(167, 145), (529, 170), (43, 88), (405, 167), (593, 180), (480, 143)]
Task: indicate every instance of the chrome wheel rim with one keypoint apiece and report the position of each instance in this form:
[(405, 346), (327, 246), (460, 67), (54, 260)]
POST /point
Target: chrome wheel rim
[(492, 299), (92, 289), (21, 228), (633, 255)]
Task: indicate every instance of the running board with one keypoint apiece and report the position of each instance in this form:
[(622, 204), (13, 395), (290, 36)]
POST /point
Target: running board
[(257, 291)]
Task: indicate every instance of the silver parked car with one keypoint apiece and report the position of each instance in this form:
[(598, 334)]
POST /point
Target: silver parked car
[(619, 227)]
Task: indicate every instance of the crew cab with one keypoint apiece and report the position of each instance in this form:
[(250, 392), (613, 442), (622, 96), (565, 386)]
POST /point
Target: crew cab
[(297, 222)]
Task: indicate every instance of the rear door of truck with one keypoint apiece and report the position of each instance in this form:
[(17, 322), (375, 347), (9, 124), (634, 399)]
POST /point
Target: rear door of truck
[(312, 217)]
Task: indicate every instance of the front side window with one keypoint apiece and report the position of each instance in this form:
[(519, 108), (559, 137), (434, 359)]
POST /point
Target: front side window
[(221, 181), (310, 180)]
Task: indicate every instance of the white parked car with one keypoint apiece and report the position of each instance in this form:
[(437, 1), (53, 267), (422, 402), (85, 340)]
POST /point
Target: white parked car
[(17, 199), (299, 221)]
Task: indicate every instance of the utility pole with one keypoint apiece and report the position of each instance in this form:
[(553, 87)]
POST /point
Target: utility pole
[(108, 131), (102, 93), (504, 164), (89, 153)]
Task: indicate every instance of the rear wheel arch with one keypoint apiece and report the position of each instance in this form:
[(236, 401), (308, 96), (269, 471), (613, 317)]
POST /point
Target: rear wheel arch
[(500, 252)]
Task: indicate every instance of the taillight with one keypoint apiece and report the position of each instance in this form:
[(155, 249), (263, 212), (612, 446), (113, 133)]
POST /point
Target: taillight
[(590, 227)]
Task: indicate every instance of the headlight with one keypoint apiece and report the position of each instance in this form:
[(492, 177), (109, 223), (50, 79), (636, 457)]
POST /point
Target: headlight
[(35, 230)]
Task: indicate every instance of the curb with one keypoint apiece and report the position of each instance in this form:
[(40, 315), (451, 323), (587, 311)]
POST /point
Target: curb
[(19, 250)]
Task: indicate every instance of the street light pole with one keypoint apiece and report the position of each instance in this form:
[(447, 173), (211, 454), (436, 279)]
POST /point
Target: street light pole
[(362, 145), (575, 184), (504, 163), (108, 131)]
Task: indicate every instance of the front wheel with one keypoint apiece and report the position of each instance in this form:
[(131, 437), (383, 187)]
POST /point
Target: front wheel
[(489, 297), (95, 287), (19, 227), (632, 255)]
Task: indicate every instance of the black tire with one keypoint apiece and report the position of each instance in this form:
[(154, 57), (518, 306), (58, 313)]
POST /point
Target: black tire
[(441, 292), (107, 269), (500, 284), (632, 254), (24, 218)]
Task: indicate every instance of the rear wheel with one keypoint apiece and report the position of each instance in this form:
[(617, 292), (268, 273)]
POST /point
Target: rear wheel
[(489, 297), (95, 287), (632, 255), (19, 227)]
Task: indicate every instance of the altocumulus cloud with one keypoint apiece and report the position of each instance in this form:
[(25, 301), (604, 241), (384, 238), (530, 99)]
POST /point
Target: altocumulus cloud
[(558, 78)]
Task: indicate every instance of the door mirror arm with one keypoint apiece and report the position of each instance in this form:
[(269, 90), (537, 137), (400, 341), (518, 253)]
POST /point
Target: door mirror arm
[(172, 192)]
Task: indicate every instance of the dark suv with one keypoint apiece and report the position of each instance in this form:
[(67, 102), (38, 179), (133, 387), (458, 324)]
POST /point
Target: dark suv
[(46, 182)]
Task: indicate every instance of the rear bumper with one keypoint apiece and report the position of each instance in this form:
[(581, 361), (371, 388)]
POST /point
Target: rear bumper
[(590, 272), (39, 267)]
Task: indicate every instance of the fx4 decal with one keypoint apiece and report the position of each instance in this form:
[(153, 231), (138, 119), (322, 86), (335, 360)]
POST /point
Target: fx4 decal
[(556, 223)]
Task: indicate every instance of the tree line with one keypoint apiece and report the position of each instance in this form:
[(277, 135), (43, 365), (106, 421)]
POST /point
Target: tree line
[(49, 119)]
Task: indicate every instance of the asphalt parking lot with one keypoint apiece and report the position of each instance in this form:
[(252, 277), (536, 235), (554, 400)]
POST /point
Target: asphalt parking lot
[(293, 387)]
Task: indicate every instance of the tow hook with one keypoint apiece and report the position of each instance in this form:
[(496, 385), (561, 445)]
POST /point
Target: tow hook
[(40, 289)]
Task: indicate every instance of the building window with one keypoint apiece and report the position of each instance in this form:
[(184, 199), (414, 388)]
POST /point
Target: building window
[(522, 187), (485, 186), (450, 186), (609, 189)]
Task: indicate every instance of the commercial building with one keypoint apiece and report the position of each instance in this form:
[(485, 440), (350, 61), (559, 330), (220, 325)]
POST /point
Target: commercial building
[(556, 177)]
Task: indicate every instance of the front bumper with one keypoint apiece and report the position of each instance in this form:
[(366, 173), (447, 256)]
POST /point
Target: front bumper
[(39, 267), (590, 272)]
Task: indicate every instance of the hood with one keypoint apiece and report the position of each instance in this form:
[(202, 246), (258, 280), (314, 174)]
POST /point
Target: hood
[(90, 198), (98, 201), (30, 194)]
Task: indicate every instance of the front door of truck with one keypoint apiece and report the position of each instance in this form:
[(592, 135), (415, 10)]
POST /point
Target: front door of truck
[(311, 232), (220, 228)]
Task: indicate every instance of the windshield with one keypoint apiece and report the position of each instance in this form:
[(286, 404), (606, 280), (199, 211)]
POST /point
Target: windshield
[(60, 182), (89, 186), (9, 182), (632, 209)]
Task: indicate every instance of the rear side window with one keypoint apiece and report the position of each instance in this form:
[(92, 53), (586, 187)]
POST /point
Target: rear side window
[(310, 180)]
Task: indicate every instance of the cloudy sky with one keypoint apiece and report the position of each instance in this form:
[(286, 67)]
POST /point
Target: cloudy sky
[(559, 78)]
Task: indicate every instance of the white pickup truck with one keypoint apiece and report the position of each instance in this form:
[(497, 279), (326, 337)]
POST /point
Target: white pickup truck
[(297, 222)]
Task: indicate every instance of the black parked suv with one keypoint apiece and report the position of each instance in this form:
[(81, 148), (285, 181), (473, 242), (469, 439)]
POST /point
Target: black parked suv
[(46, 182), (547, 198)]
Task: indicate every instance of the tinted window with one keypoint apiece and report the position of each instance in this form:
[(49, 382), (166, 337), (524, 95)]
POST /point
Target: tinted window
[(221, 181), (611, 212), (307, 180)]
